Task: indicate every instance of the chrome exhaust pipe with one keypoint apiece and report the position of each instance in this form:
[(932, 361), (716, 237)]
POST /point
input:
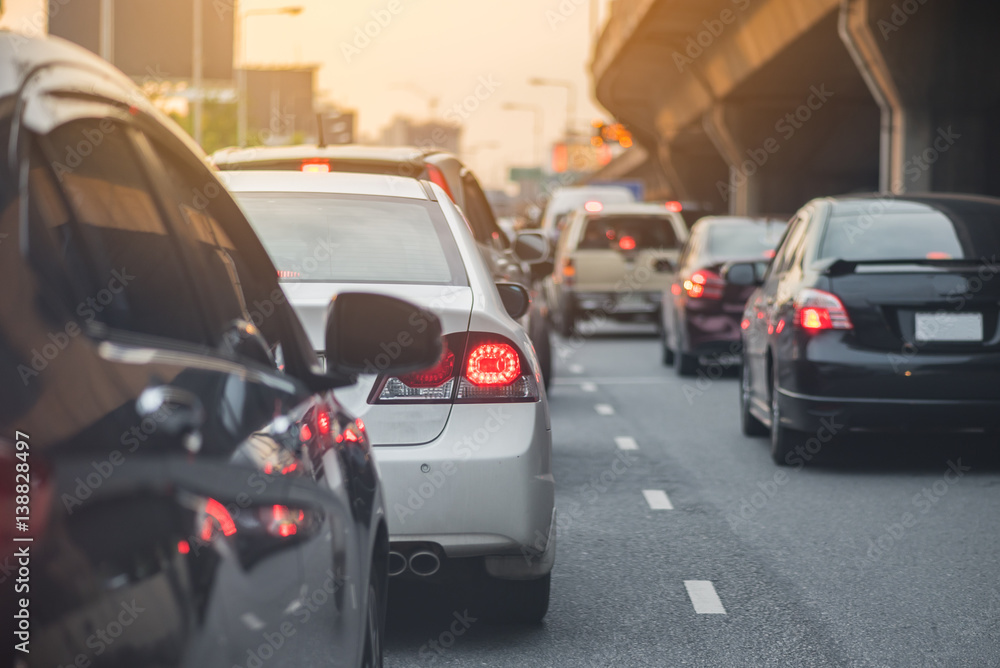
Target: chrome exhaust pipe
[(424, 563), (397, 563)]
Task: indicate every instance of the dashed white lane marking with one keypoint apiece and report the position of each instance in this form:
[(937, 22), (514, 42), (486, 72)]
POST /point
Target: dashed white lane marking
[(703, 597), (626, 443), (604, 409), (575, 368), (589, 387), (657, 499)]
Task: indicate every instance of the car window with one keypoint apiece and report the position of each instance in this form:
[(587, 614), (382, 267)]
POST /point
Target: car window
[(914, 235), (736, 241), (477, 208), (785, 258), (628, 233), (133, 261), (344, 238)]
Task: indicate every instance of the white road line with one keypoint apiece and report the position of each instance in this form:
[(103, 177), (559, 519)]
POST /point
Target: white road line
[(626, 443), (703, 597), (575, 368), (657, 499), (604, 409), (588, 387)]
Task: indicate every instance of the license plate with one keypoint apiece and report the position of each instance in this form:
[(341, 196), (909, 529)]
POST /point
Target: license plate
[(950, 327)]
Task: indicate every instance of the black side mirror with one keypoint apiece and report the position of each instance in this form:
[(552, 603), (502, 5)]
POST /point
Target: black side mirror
[(369, 333), (516, 299), (664, 266), (742, 273), (532, 247), (542, 269)]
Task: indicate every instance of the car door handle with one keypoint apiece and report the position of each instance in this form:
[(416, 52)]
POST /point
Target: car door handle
[(178, 412)]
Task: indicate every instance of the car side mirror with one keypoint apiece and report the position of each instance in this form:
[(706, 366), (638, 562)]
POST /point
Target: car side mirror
[(369, 333), (532, 247), (516, 299), (664, 266), (541, 270), (742, 273)]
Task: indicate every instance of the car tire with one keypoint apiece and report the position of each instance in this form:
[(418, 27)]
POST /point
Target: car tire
[(374, 627), (687, 365), (750, 425), (783, 440), (567, 322), (516, 601), (668, 354)]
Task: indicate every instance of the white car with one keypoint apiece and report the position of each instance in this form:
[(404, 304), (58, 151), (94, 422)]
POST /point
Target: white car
[(464, 448)]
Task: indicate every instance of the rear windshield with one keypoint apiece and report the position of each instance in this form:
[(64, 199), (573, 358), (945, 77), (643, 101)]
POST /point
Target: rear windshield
[(628, 233), (928, 234), (744, 241), (354, 239)]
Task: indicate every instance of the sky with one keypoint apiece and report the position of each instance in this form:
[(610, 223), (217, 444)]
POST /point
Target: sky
[(473, 53)]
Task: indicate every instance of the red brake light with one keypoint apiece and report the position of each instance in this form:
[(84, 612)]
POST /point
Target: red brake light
[(593, 207), (435, 376), (493, 364), (675, 207), (183, 547), (323, 422), (305, 433), (217, 515), (816, 310), (626, 243), (284, 521), (316, 166), (704, 284), (288, 274), (436, 176)]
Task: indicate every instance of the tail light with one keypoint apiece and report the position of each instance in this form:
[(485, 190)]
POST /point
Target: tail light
[(704, 284), (316, 166), (568, 270), (474, 368), (436, 176), (626, 243), (816, 310)]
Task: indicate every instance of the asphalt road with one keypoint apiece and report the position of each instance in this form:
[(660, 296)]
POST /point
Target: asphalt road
[(874, 556)]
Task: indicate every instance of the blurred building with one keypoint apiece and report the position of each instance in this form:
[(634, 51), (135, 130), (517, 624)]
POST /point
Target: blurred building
[(432, 134), (281, 105)]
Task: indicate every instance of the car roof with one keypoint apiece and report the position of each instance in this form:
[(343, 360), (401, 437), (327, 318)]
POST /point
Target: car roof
[(355, 152), (634, 209), (334, 183), (20, 56), (856, 204), (709, 221)]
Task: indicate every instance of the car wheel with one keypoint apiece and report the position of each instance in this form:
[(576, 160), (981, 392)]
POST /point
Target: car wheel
[(567, 322), (687, 365), (668, 354), (783, 440), (750, 425), (374, 627), (516, 601)]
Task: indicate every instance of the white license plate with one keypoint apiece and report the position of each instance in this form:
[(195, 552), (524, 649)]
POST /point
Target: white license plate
[(949, 327)]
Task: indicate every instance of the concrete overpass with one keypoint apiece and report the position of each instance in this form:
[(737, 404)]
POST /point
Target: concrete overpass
[(756, 106)]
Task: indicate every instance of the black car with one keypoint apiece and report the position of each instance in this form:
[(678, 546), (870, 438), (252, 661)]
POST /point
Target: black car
[(702, 311), (179, 487), (439, 167), (878, 313)]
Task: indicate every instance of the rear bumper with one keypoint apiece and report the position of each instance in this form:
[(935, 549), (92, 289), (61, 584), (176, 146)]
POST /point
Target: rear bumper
[(813, 414), (487, 489), (713, 333), (615, 303)]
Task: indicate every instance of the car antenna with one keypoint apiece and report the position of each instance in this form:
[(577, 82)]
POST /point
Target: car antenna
[(320, 132)]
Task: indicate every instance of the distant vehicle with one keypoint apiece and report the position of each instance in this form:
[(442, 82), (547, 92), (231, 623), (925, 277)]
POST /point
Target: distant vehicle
[(176, 445), (874, 316), (701, 310), (439, 167), (568, 199), (491, 499), (616, 260)]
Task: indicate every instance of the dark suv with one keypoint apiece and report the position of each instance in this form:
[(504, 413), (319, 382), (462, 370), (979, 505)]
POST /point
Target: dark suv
[(178, 485), (441, 168)]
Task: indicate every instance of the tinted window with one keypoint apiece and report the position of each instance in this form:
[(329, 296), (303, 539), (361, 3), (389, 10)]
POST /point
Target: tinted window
[(628, 233), (135, 264), (926, 234), (738, 241), (339, 238)]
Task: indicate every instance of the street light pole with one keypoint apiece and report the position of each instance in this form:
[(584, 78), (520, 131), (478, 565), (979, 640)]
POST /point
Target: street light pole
[(570, 88), (539, 122), (198, 65), (242, 121)]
